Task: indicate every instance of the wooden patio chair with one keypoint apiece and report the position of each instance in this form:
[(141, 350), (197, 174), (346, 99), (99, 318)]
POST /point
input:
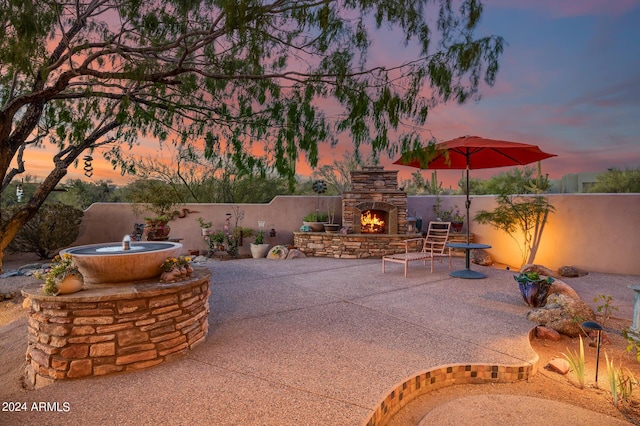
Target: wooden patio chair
[(428, 248)]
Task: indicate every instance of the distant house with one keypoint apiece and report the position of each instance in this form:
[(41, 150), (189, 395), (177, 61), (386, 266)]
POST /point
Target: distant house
[(574, 182)]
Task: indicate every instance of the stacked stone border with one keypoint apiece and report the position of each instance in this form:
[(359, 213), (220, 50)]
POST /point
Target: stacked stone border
[(447, 375), (358, 246), (115, 329)]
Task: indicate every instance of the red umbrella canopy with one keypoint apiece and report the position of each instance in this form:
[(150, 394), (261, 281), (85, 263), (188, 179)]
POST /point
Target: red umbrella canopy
[(474, 151)]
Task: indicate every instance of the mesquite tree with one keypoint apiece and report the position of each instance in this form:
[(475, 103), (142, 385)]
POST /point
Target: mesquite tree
[(283, 74)]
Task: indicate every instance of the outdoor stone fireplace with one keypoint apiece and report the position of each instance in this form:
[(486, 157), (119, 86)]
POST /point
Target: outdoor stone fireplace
[(375, 214), (375, 189)]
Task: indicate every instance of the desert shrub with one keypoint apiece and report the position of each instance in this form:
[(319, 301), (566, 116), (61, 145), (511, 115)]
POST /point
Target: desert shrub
[(55, 226)]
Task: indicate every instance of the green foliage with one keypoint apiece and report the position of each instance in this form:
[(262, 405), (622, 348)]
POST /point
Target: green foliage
[(606, 308), (82, 194), (157, 196), (519, 215), (616, 180), (259, 237), (55, 226), (316, 216), (533, 276), (250, 79), (612, 373), (633, 337), (418, 185), (576, 362), (203, 224), (621, 382), (60, 267), (516, 181), (338, 174)]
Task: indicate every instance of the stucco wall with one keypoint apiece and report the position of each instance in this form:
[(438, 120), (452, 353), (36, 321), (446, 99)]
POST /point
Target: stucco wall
[(597, 232), (108, 222)]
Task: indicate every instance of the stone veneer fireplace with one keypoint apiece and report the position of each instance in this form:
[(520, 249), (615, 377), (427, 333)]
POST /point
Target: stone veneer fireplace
[(372, 190)]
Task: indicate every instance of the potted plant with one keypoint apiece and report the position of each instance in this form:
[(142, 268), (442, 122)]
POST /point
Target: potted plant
[(176, 268), (442, 215), (62, 277), (205, 227), (315, 220), (457, 220), (533, 288), (259, 248), (149, 195), (331, 227), (215, 241)]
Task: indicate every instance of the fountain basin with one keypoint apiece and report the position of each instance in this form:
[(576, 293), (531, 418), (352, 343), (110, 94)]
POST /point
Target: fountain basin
[(108, 264)]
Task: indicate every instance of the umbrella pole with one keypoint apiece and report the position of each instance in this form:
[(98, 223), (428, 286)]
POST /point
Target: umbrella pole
[(467, 205)]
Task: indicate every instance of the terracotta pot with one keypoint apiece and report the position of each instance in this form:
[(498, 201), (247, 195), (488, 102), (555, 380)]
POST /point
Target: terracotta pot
[(70, 284), (157, 230)]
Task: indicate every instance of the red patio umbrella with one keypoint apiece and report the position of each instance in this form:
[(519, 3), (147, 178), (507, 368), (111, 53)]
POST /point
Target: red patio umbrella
[(473, 152)]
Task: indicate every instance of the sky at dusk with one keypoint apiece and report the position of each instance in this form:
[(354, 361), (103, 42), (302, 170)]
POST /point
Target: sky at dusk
[(569, 82)]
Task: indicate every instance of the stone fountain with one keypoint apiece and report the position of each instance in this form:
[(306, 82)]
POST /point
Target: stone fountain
[(124, 320), (112, 263)]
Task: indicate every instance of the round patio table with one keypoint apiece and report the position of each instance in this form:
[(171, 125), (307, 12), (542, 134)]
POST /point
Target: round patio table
[(467, 273)]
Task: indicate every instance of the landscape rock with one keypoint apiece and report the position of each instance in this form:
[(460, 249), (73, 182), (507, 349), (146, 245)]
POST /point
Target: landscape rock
[(278, 252), (32, 267), (593, 334), (570, 272), (563, 314), (542, 270), (559, 286), (295, 254), (481, 257), (546, 333), (559, 365)]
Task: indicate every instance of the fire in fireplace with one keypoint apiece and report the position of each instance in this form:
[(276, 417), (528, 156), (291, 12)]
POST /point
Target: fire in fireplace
[(372, 222)]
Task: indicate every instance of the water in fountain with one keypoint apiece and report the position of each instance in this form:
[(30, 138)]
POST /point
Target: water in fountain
[(111, 263)]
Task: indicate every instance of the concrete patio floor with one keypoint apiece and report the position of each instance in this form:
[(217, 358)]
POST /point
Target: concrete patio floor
[(315, 341)]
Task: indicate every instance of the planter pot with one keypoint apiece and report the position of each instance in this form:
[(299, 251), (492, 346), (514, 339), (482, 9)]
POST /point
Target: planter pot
[(70, 284), (315, 226), (206, 231), (157, 230), (457, 226), (331, 228), (259, 250), (534, 293)]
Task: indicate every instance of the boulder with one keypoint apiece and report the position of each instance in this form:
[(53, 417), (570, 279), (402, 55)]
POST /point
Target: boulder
[(570, 272), (547, 333), (559, 365), (562, 313), (278, 252), (481, 257), (559, 286), (295, 254), (542, 270)]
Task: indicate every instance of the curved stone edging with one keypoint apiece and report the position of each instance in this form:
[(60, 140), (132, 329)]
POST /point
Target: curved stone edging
[(114, 329), (447, 375)]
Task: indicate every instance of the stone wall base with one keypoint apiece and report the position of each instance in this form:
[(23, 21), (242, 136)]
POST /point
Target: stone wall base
[(359, 246), (115, 329)]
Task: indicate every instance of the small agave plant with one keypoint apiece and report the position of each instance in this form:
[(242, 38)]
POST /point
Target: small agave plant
[(533, 288)]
